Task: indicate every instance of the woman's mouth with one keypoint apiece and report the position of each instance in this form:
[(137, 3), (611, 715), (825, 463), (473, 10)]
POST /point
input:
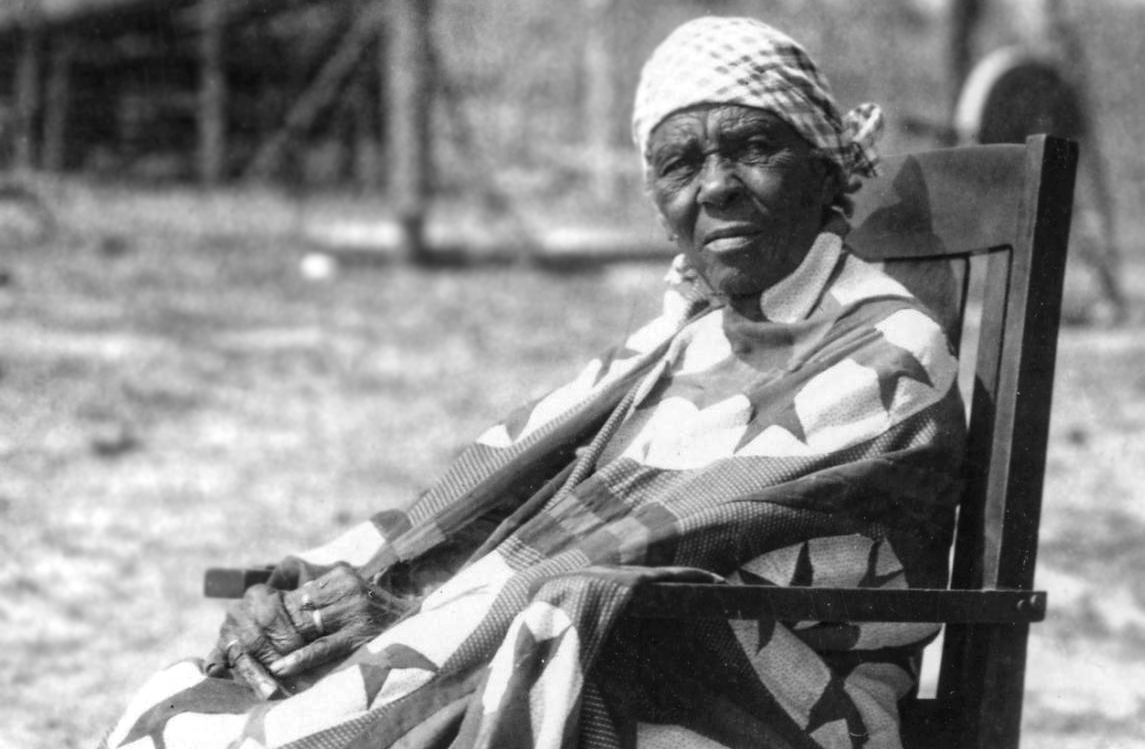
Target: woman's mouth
[(730, 240)]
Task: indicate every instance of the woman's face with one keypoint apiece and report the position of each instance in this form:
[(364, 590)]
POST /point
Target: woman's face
[(741, 191)]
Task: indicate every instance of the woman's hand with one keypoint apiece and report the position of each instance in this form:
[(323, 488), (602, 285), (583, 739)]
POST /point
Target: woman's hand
[(336, 613), (296, 631), (258, 627)]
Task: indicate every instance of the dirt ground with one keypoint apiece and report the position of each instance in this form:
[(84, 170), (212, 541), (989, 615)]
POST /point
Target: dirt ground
[(175, 394)]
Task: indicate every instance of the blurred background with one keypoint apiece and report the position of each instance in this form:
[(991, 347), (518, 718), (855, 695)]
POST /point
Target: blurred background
[(265, 264)]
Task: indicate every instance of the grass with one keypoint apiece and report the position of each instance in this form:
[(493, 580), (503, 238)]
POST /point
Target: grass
[(172, 400), (175, 395)]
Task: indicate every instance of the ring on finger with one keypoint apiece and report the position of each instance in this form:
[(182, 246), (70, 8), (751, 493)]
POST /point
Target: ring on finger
[(316, 615), (307, 602)]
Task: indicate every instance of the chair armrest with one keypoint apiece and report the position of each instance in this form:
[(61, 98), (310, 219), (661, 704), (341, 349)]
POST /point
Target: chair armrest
[(787, 604), (793, 604), (232, 582)]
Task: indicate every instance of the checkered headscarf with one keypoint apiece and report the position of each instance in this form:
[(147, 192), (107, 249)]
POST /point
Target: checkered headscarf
[(715, 60)]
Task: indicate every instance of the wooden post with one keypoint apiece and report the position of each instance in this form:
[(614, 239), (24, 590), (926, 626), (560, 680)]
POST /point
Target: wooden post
[(364, 93), (56, 105), (366, 149), (600, 100), (382, 100), (410, 138), (212, 108), (28, 89)]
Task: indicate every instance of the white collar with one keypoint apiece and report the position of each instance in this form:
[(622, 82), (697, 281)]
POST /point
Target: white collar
[(795, 297)]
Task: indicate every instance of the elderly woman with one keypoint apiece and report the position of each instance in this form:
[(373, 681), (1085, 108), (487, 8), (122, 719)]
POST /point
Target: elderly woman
[(790, 419)]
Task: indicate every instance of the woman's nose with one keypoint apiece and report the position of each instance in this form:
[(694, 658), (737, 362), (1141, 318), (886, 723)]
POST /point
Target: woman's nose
[(719, 185)]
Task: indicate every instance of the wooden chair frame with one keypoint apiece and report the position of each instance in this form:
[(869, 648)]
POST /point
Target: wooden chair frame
[(1008, 208)]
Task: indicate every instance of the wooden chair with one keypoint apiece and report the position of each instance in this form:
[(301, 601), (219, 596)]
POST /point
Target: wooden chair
[(981, 228), (932, 217)]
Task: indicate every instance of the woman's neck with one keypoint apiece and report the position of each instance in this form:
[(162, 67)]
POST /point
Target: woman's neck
[(747, 305)]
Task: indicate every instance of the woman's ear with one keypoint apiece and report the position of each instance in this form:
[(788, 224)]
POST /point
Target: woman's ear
[(830, 179)]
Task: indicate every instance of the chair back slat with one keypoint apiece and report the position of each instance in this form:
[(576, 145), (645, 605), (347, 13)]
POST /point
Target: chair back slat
[(975, 528), (978, 190)]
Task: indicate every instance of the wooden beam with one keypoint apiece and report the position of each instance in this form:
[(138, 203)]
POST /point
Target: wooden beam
[(324, 89), (212, 106), (410, 138)]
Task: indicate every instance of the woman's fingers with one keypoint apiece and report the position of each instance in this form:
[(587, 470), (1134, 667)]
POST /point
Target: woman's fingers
[(256, 676), (317, 653), (259, 627), (335, 601), (216, 662), (349, 601), (339, 584), (230, 656), (343, 599), (254, 640)]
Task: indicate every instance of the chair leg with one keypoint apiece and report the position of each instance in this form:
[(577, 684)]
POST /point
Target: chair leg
[(990, 686)]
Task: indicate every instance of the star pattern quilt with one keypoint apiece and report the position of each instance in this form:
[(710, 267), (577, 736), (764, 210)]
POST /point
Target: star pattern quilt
[(819, 447)]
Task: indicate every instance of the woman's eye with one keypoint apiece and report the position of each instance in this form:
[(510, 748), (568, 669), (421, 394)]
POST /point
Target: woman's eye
[(676, 167), (758, 149)]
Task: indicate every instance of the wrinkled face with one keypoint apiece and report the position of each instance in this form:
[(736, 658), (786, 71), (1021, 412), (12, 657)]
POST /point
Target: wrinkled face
[(741, 191)]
